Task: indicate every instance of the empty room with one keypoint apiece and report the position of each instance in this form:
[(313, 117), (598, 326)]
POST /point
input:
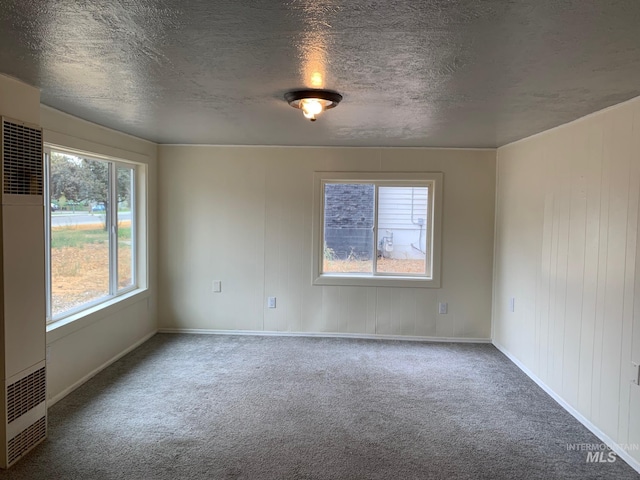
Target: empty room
[(320, 239)]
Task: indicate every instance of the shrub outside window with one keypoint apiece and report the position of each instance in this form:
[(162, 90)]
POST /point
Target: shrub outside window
[(377, 229)]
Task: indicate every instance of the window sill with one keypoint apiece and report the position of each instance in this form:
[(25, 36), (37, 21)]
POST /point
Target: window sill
[(376, 281), (68, 325)]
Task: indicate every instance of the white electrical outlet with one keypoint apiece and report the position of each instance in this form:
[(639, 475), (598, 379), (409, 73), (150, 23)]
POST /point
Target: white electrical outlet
[(271, 302), (217, 286), (443, 307)]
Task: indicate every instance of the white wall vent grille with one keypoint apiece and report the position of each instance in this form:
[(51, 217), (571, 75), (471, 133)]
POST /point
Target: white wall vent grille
[(25, 394), (22, 159), (25, 440)]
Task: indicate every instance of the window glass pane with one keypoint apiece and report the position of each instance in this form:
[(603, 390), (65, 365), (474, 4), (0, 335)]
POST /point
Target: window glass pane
[(79, 231), (125, 233), (348, 228), (402, 230)]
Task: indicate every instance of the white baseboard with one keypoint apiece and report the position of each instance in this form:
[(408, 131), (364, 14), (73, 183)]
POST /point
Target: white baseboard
[(578, 416), (52, 401), (201, 331)]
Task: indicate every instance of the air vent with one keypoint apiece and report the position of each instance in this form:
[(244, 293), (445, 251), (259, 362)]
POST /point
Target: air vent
[(25, 394), (27, 439), (22, 159)]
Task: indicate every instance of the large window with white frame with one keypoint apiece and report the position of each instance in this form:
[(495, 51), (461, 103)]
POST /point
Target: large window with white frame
[(90, 230), (377, 229)]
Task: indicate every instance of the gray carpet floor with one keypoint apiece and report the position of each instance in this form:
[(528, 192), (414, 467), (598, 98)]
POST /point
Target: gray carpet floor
[(226, 407)]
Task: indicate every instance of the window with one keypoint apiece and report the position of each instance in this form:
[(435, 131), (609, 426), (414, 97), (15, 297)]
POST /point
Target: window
[(91, 231), (377, 229)]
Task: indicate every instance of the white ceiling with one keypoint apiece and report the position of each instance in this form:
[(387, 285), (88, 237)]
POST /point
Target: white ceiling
[(446, 73)]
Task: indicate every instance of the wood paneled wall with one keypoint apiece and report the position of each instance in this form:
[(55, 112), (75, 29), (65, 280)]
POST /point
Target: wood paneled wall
[(243, 215), (567, 251), (78, 349)]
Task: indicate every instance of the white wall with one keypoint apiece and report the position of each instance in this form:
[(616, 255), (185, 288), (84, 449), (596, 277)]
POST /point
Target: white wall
[(79, 349), (567, 251), (19, 101), (243, 215)]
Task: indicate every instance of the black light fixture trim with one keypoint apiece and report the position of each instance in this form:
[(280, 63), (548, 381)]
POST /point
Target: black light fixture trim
[(294, 97), (312, 102)]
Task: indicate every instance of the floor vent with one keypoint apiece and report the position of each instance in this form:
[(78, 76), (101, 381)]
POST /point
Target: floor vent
[(27, 439), (25, 394), (22, 169)]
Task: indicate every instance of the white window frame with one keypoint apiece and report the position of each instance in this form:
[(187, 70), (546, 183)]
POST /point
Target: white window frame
[(112, 225), (434, 180)]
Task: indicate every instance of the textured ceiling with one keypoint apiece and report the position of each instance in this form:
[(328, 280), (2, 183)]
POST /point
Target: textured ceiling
[(447, 73)]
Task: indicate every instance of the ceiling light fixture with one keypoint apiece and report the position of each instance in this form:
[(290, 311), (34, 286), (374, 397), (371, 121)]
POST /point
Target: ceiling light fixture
[(312, 102)]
